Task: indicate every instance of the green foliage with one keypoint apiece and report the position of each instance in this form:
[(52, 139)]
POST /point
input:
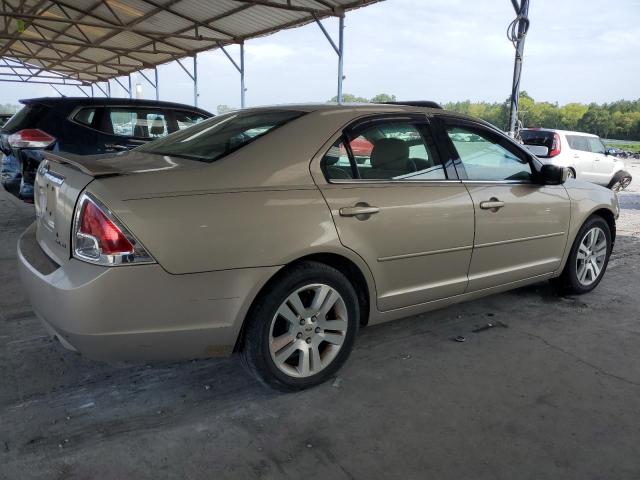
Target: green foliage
[(619, 119), (348, 98), (223, 109), (9, 108), (383, 97)]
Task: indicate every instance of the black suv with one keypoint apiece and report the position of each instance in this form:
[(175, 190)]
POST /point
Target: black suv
[(84, 126)]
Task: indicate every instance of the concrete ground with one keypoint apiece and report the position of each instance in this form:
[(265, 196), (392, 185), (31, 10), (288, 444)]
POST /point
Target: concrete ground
[(555, 394)]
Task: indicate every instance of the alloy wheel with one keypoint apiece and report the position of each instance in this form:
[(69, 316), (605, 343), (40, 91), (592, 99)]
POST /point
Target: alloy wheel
[(591, 256), (308, 330)]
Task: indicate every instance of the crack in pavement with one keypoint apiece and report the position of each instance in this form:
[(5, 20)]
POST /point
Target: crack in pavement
[(578, 358)]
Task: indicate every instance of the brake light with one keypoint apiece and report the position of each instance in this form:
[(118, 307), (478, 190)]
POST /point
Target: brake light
[(30, 138), (555, 146), (100, 238)]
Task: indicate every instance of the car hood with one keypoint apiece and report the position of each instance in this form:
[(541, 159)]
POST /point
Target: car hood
[(125, 163)]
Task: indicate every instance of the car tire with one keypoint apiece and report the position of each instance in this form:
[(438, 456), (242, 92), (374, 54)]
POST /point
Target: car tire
[(579, 275), (290, 345), (620, 181)]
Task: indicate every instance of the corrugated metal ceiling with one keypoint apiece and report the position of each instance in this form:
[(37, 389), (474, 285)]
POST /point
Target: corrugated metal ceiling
[(94, 40)]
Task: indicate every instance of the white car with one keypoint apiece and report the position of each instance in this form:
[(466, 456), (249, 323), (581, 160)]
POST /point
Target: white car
[(584, 154)]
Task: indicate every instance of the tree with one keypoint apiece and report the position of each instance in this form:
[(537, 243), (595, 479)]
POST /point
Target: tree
[(349, 98), (224, 109), (383, 97)]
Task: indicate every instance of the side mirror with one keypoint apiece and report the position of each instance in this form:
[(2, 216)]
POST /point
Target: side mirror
[(610, 151), (553, 174), (538, 150)]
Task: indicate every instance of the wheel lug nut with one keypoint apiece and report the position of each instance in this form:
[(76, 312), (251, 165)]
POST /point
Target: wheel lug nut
[(317, 329), (299, 335), (314, 318), (308, 340), (302, 321)]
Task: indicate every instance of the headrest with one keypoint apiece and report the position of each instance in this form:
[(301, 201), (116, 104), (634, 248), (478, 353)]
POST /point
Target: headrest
[(390, 154), (157, 126), (332, 156)]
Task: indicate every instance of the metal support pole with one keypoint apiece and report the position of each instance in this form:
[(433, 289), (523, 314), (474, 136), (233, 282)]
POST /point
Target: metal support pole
[(242, 89), (108, 89), (522, 19), (339, 49), (195, 80), (130, 89), (340, 57), (155, 71), (92, 94)]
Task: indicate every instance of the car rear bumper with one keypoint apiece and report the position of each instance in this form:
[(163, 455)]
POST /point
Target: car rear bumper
[(137, 312)]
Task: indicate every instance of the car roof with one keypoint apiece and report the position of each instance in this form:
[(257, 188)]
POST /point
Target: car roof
[(102, 101), (555, 130), (366, 109)]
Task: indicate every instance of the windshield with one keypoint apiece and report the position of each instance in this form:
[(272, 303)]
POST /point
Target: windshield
[(219, 136)]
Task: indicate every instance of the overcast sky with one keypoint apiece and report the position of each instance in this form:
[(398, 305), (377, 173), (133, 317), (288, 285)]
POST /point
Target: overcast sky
[(576, 51)]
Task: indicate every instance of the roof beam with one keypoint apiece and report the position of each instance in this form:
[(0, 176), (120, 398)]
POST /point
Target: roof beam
[(38, 20), (332, 12)]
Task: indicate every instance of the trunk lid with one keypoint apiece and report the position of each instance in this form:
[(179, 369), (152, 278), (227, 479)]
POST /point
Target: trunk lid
[(56, 189), (61, 178)]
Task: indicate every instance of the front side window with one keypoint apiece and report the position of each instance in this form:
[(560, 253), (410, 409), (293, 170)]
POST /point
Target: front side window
[(395, 150), (139, 123), (188, 119), (219, 136), (578, 142), (483, 158), (596, 145)]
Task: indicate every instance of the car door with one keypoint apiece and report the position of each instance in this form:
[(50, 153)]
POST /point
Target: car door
[(602, 164), (129, 127), (520, 226), (400, 209), (582, 158)]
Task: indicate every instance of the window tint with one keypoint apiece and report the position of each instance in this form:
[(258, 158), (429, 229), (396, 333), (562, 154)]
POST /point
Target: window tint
[(85, 116), (219, 136), (483, 158), (578, 142), (141, 123), (385, 151), (596, 145), (537, 137), (188, 119), (28, 117)]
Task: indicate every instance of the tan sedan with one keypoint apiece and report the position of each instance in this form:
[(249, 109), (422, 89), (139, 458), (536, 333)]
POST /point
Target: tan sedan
[(277, 232)]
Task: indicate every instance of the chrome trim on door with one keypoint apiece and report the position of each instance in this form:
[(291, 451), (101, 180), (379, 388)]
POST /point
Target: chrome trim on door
[(516, 240), (423, 254)]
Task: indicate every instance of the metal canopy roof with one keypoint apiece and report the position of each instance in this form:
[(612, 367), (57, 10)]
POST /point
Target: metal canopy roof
[(88, 41)]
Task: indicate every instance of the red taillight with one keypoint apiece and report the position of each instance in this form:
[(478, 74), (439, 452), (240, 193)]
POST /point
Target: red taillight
[(100, 238), (30, 138), (555, 146), (109, 238)]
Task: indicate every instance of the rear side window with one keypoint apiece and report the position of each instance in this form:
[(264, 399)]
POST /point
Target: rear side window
[(578, 142), (28, 117), (216, 137), (394, 150), (188, 119), (85, 116), (139, 123)]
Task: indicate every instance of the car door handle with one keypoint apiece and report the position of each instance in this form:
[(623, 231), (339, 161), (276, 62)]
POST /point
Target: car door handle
[(493, 204), (363, 210)]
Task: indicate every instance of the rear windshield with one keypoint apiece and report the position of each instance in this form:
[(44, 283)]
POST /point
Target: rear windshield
[(219, 136), (537, 137), (27, 117)]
